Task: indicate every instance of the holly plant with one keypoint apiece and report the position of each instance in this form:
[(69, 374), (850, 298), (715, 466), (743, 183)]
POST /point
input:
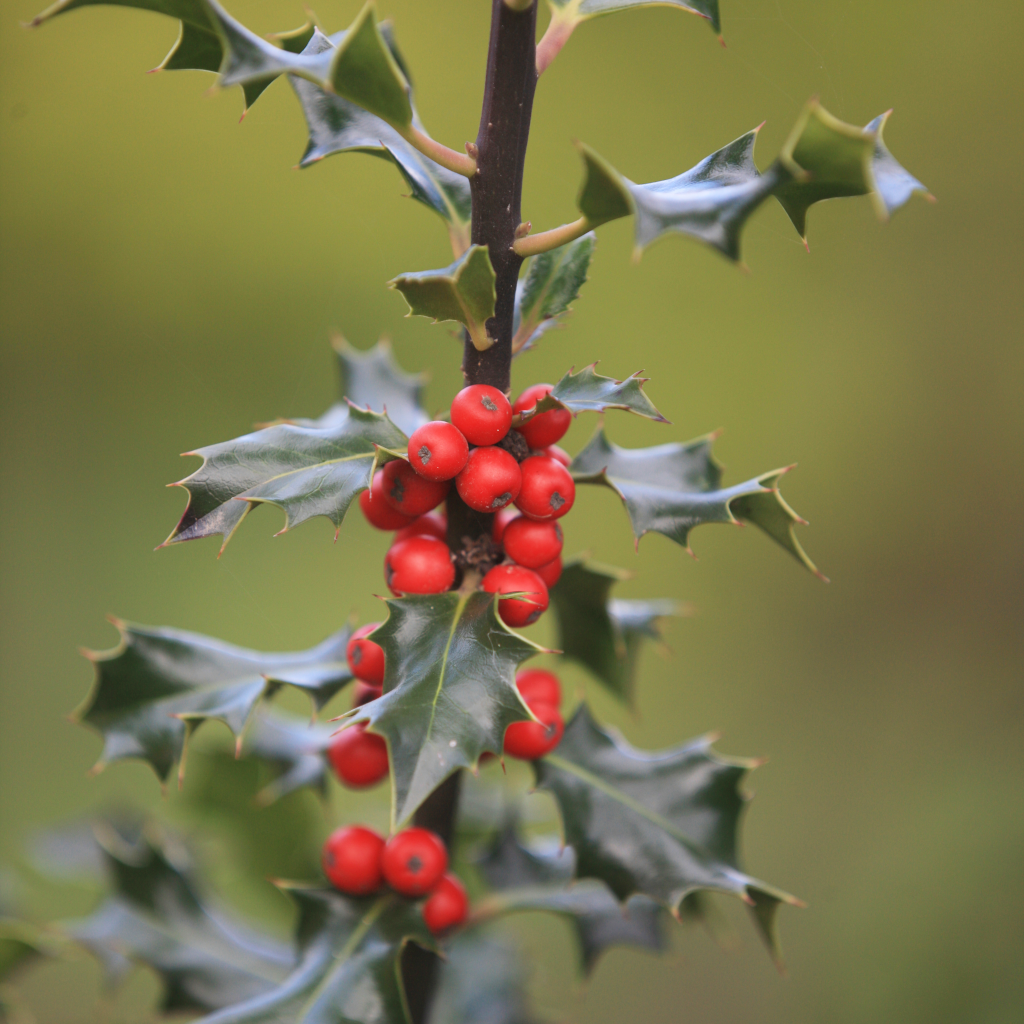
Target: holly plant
[(398, 927)]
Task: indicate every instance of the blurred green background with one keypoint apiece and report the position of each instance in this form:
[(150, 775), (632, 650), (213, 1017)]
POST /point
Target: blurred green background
[(168, 279)]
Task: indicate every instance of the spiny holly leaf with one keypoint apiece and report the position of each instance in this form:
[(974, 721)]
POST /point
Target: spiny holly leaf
[(305, 471), (662, 824), (373, 380), (603, 634), (199, 46), (480, 982), (349, 963), (336, 126), (547, 290), (671, 488), (580, 10), (449, 690), (463, 292), (156, 915), (21, 943), (589, 391), (540, 877), (159, 685), (294, 747), (827, 159)]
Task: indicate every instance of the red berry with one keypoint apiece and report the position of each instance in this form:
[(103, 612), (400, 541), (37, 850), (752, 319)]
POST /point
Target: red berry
[(351, 860), (377, 511), (365, 658), (530, 740), (482, 413), (430, 524), (545, 428), (359, 758), (409, 493), (558, 454), (550, 573), (532, 544), (437, 450), (419, 565), (514, 579), (490, 480), (548, 490), (364, 693), (414, 861), (501, 520), (538, 686), (448, 905)]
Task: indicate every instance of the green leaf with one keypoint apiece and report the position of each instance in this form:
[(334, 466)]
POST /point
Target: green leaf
[(589, 391), (159, 685), (540, 877), (156, 914), (580, 10), (604, 195), (449, 690), (548, 288), (463, 292), (662, 824), (337, 125), (349, 963), (21, 943), (671, 488), (295, 749), (199, 46), (480, 982), (603, 634), (827, 159), (373, 380), (305, 471)]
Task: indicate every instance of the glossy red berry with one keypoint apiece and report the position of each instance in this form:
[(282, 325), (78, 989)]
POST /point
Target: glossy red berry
[(558, 454), (419, 565), (448, 905), (365, 658), (377, 510), (514, 579), (482, 414), (548, 491), (532, 544), (411, 494), (545, 428), (530, 740), (430, 524), (414, 861), (359, 758), (538, 686), (490, 481), (501, 521), (352, 860), (438, 450), (363, 693), (550, 573)]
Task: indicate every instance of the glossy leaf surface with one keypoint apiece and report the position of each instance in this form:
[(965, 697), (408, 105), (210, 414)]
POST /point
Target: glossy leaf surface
[(348, 963), (449, 690), (578, 10), (157, 915), (463, 292), (305, 471), (540, 878), (829, 159), (336, 125), (662, 824), (158, 685), (589, 391), (671, 488), (295, 749), (548, 288), (603, 634)]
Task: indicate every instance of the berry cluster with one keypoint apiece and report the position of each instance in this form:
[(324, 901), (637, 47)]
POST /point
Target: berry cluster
[(494, 467), (414, 863)]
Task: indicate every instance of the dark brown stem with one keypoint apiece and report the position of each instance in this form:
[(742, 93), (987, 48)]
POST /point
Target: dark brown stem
[(496, 189)]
